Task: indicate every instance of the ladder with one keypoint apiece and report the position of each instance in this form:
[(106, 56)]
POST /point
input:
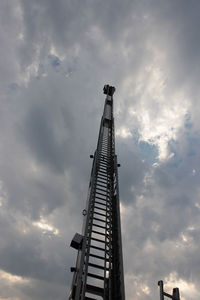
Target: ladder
[(99, 269)]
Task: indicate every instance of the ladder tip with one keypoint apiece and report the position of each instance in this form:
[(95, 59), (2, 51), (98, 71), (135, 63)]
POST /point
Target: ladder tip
[(108, 90)]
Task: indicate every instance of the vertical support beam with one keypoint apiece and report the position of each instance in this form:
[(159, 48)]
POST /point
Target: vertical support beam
[(117, 241), (176, 294), (160, 283)]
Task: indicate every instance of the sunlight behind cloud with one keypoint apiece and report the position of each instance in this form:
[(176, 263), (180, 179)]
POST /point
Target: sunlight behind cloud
[(12, 278), (187, 289), (123, 132), (159, 112), (46, 227)]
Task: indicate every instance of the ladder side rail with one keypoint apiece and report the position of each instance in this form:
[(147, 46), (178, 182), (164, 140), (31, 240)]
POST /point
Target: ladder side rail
[(119, 280)]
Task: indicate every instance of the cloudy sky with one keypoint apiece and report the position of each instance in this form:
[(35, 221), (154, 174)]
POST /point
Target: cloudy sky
[(55, 57)]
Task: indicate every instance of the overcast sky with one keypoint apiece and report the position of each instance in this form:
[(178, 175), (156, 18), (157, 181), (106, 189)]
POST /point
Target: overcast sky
[(55, 57)]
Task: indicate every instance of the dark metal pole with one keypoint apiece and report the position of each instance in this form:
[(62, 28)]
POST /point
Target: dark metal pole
[(160, 283), (176, 294)]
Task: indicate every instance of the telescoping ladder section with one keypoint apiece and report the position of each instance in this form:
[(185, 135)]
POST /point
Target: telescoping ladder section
[(99, 269), (99, 238)]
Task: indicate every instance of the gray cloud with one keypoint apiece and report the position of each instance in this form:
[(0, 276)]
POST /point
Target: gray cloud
[(55, 59)]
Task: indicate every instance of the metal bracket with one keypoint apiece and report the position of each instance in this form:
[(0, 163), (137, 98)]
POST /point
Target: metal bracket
[(77, 241)]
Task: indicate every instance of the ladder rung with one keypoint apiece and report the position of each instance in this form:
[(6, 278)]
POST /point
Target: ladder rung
[(99, 257), (95, 276), (97, 232), (103, 186), (104, 168), (103, 190), (105, 159), (104, 150), (103, 163), (106, 153), (103, 180), (97, 248), (98, 193), (103, 175), (94, 289), (97, 266), (104, 145), (104, 204), (107, 192), (99, 214), (97, 225), (106, 200), (94, 218), (104, 141), (97, 207), (102, 172), (100, 241), (100, 181)]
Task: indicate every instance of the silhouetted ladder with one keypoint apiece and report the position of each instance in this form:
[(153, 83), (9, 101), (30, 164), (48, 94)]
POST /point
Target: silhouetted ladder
[(99, 268), (175, 294)]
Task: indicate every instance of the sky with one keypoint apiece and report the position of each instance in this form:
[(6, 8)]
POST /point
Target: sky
[(55, 58)]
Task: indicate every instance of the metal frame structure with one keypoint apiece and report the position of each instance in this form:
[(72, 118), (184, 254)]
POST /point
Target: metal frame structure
[(175, 294), (99, 266)]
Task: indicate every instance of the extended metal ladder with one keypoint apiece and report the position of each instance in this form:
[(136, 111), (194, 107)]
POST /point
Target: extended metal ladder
[(99, 269)]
